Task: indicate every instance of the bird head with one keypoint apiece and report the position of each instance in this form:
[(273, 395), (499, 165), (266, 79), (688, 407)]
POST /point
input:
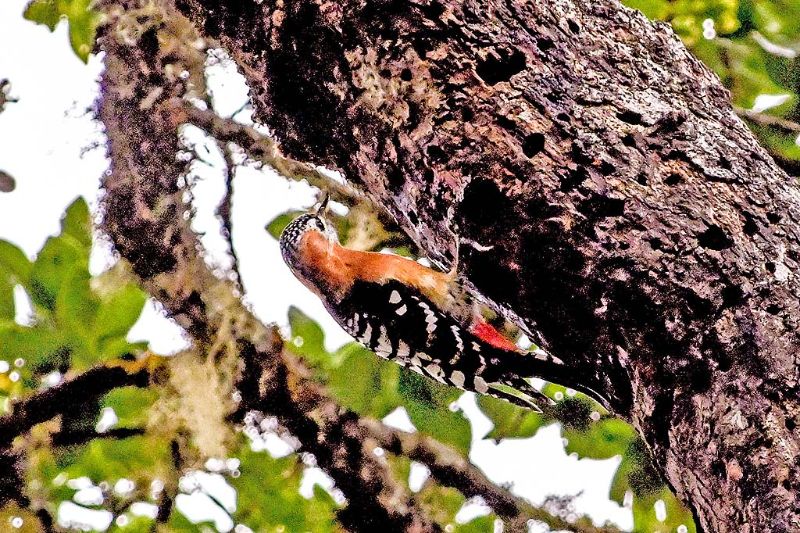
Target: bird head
[(292, 237)]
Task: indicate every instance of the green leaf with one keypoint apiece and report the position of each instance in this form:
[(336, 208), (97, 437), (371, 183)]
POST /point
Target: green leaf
[(510, 421), (646, 521), (441, 503), (77, 223), (119, 346), (43, 12), (482, 524), (636, 474), (604, 439), (279, 223), (308, 339), (75, 311), (131, 405), (61, 255), (178, 523), (654, 9), (83, 21), (620, 484), (400, 467), (40, 347), (14, 262), (364, 383), (136, 458), (135, 524), (57, 259), (269, 498), (76, 305), (428, 407), (7, 309), (30, 522), (119, 312)]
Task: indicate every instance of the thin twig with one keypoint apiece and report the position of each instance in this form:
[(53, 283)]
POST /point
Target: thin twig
[(450, 468), (225, 210), (790, 166), (264, 149), (72, 438), (763, 119)]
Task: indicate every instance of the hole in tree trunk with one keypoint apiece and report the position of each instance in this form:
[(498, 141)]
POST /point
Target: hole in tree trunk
[(500, 67), (714, 238)]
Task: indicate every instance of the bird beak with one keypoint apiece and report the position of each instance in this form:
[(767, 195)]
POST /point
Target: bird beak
[(323, 206), (321, 210)]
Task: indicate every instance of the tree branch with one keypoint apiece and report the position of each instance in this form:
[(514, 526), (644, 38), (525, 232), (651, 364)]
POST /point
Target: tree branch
[(279, 385), (144, 216), (450, 468), (265, 150), (270, 382), (790, 166), (68, 396), (224, 210), (763, 119), (74, 438)]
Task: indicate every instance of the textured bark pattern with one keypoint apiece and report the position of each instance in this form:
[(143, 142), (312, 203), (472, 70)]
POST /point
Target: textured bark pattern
[(638, 229)]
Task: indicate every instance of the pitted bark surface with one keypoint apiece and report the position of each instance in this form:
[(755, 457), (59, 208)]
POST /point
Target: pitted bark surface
[(638, 230)]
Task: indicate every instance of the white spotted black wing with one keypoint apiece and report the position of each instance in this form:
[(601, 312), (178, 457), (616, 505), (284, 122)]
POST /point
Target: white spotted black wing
[(404, 326)]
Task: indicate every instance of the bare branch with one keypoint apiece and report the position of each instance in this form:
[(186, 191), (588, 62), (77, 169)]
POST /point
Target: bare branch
[(69, 396), (224, 210), (73, 438), (763, 119), (450, 468), (265, 150)]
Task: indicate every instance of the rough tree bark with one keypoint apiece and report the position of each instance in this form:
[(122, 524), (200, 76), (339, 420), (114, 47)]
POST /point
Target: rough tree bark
[(639, 231)]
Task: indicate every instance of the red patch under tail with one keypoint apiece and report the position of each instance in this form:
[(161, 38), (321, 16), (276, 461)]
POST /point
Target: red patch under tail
[(488, 334)]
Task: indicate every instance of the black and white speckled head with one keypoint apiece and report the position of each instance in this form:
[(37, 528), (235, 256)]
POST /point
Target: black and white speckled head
[(293, 234)]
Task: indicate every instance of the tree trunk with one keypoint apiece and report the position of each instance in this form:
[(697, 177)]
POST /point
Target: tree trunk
[(639, 232)]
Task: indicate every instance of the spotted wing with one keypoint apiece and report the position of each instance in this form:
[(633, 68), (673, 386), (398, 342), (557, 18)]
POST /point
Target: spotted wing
[(402, 325)]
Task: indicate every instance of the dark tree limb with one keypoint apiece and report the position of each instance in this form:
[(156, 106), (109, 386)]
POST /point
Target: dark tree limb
[(265, 150), (76, 438), (276, 385), (144, 216), (640, 233), (71, 396)]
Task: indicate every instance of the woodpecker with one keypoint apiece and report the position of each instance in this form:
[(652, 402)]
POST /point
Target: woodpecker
[(398, 308)]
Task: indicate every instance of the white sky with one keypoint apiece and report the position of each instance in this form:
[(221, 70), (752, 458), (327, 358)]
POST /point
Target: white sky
[(48, 142)]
